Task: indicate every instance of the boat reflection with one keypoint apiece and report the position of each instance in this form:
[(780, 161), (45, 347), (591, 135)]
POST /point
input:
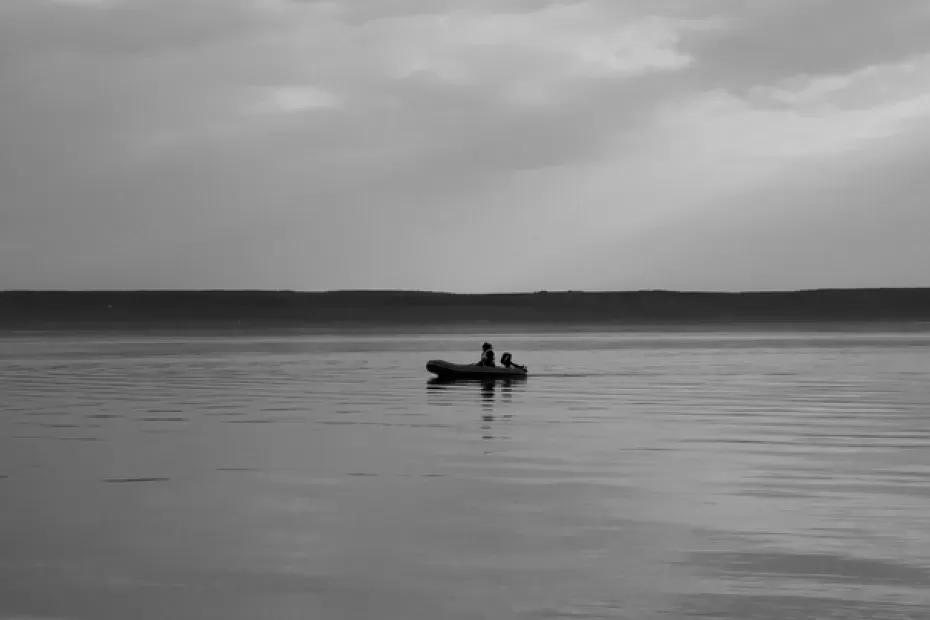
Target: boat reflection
[(494, 397), (450, 391), (440, 383)]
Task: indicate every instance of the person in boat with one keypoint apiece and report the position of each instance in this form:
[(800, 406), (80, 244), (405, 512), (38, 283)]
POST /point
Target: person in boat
[(507, 361), (487, 355)]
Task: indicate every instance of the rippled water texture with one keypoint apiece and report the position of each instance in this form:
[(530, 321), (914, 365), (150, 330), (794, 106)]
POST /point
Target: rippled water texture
[(765, 475)]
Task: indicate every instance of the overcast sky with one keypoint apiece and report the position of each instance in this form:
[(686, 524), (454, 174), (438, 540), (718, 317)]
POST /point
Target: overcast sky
[(486, 145)]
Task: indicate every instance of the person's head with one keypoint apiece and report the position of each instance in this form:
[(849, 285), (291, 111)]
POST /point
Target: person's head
[(486, 346)]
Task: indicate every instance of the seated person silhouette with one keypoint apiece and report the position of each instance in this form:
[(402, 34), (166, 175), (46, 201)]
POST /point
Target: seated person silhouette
[(507, 361), (487, 355)]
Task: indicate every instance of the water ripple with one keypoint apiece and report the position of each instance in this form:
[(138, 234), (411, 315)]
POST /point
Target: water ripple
[(764, 475)]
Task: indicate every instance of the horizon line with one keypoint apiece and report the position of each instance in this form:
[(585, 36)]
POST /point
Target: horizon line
[(486, 293)]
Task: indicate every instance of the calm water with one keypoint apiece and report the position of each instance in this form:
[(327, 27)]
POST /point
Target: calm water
[(764, 475)]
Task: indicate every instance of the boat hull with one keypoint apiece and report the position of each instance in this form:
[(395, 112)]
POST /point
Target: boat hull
[(448, 370)]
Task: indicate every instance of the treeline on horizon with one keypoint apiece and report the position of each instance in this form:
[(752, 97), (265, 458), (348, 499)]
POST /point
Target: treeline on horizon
[(276, 308)]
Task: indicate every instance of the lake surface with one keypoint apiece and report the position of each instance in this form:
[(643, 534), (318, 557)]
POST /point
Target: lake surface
[(687, 474)]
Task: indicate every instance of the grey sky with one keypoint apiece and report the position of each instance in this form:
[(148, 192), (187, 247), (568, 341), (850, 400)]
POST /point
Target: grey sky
[(464, 146)]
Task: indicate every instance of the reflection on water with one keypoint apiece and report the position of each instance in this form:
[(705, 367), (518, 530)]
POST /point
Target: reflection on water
[(763, 475), (451, 391), (493, 395)]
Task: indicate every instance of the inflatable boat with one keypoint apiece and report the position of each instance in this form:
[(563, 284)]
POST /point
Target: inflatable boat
[(448, 370)]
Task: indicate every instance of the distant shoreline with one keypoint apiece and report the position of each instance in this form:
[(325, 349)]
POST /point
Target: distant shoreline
[(255, 308)]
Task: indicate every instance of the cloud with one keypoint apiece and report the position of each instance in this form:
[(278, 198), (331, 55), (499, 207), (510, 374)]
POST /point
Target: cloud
[(765, 42), (543, 49), (296, 98), (326, 144), (84, 3)]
